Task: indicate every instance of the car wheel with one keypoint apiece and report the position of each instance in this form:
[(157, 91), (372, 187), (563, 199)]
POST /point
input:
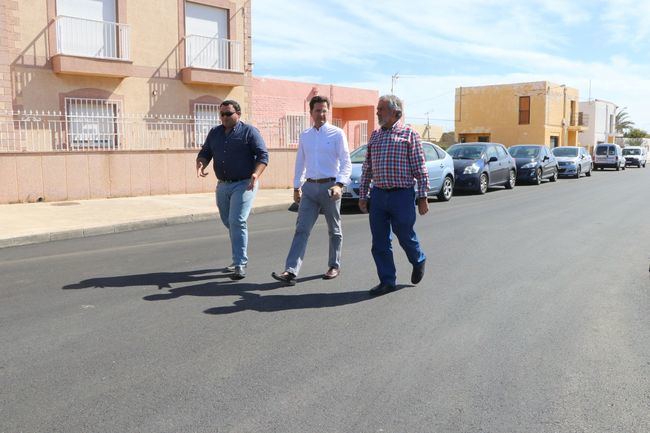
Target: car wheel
[(447, 189), (623, 167), (512, 179), (554, 177), (589, 172), (538, 176), (578, 172), (483, 183)]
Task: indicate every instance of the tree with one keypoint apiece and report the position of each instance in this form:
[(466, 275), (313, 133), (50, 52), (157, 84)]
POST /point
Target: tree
[(635, 133), (623, 122)]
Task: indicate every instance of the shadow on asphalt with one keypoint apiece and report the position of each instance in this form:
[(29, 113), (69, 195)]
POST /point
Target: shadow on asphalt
[(274, 303), (159, 279)]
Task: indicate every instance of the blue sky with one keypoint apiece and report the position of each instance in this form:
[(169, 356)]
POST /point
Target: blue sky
[(436, 46)]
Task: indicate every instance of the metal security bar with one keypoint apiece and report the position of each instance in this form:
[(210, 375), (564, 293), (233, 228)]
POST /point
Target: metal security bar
[(91, 38), (206, 117), (213, 53)]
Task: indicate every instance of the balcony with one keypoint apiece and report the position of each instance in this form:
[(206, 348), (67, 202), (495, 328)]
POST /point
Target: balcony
[(214, 61), (89, 47), (579, 121)]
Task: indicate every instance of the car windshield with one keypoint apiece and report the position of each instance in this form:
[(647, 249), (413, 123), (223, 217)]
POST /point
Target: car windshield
[(466, 152), (602, 150), (565, 151), (631, 151), (358, 156), (524, 151)]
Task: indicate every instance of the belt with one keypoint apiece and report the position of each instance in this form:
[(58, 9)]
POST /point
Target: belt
[(233, 180), (391, 189), (323, 180)]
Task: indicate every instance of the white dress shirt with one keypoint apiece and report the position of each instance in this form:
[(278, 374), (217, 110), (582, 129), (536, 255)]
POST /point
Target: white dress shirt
[(322, 153)]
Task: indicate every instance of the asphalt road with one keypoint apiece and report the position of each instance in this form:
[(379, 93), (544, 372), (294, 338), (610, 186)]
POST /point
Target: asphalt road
[(532, 317)]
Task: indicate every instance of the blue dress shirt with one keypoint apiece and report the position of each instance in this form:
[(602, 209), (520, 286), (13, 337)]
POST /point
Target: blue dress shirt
[(236, 154)]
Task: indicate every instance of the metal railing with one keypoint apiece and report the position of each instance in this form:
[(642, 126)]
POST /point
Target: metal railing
[(89, 125), (213, 53), (579, 119), (91, 38)]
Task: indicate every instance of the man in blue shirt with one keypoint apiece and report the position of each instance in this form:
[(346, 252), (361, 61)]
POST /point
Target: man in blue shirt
[(240, 157)]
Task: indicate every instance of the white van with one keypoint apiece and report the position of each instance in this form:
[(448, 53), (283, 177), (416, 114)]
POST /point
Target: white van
[(635, 155), (608, 155)]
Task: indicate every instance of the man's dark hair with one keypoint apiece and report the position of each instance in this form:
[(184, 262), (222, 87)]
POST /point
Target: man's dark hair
[(318, 99), (234, 104)]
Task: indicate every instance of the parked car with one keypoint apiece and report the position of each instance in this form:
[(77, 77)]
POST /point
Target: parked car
[(439, 165), (573, 161), (534, 163), (609, 156), (635, 155), (479, 166)]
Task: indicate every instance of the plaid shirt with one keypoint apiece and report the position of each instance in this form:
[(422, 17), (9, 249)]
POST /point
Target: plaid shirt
[(394, 159)]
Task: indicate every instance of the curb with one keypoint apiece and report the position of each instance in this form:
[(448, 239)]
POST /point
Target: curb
[(40, 238)]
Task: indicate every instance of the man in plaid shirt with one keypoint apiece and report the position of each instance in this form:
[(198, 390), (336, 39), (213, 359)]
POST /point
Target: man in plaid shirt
[(394, 161)]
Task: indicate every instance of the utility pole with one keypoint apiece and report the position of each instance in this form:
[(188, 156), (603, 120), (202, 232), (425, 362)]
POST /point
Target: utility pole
[(427, 129), (393, 80)]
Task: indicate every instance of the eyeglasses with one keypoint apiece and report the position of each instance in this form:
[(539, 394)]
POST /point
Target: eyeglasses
[(226, 113)]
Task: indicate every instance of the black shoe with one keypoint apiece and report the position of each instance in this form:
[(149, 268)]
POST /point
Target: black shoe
[(239, 274), (381, 289), (418, 272), (286, 277)]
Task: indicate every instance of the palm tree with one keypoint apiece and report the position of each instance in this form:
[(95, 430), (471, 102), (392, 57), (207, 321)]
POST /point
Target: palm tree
[(623, 123)]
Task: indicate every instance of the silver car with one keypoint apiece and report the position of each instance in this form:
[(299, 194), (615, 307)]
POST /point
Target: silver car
[(573, 161), (439, 165)]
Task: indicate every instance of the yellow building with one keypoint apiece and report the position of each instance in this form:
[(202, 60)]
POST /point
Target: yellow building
[(523, 113)]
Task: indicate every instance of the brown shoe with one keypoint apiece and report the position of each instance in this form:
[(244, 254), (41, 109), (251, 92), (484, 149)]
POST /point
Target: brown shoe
[(331, 273)]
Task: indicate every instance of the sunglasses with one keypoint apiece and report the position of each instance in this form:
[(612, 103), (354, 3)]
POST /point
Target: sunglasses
[(226, 113)]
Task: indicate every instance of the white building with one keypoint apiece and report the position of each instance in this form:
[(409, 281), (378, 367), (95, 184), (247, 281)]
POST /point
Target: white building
[(600, 122)]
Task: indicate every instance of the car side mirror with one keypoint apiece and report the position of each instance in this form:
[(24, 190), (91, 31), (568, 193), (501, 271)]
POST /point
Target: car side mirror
[(493, 159), (546, 158)]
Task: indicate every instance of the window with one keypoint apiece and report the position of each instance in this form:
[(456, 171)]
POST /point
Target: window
[(483, 138), (205, 117), (491, 152), (430, 153), (524, 110), (555, 140), (294, 125), (92, 123), (206, 36), (502, 152)]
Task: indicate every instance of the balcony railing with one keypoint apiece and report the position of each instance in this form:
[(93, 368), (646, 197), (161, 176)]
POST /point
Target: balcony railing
[(213, 53), (90, 38), (579, 119)]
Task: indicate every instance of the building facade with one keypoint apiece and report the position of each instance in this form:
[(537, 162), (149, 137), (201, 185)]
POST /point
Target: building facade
[(523, 113), (601, 127), (113, 98)]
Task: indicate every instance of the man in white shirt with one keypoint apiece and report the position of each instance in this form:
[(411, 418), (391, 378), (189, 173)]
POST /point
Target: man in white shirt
[(323, 167)]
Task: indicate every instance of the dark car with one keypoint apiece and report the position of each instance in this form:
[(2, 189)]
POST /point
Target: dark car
[(479, 166), (534, 163)]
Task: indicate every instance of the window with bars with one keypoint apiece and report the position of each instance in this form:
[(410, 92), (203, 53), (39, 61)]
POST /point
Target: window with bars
[(294, 125), (524, 110), (206, 116), (92, 123)]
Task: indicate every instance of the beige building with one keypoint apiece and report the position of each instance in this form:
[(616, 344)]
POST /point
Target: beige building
[(523, 113)]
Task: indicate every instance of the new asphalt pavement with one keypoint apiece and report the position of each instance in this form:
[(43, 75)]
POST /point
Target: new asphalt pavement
[(532, 317)]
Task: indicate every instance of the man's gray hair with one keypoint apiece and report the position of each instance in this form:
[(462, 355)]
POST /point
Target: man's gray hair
[(394, 103)]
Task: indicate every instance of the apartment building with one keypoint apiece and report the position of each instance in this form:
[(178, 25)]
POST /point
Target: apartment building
[(109, 98), (601, 127), (523, 113)]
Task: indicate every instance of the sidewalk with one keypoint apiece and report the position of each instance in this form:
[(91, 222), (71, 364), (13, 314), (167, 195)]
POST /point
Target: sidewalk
[(29, 223)]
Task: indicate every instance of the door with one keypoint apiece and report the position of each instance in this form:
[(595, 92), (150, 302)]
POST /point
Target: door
[(548, 163), (504, 162), (434, 166), (87, 28), (495, 169), (206, 36)]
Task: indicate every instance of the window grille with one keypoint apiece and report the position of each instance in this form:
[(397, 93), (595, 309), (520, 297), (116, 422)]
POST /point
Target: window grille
[(206, 116), (92, 123)]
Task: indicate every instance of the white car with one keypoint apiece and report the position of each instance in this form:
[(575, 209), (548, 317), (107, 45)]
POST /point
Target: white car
[(635, 155), (608, 156)]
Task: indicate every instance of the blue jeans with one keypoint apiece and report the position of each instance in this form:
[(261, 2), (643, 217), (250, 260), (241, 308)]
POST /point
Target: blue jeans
[(393, 209), (234, 202)]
